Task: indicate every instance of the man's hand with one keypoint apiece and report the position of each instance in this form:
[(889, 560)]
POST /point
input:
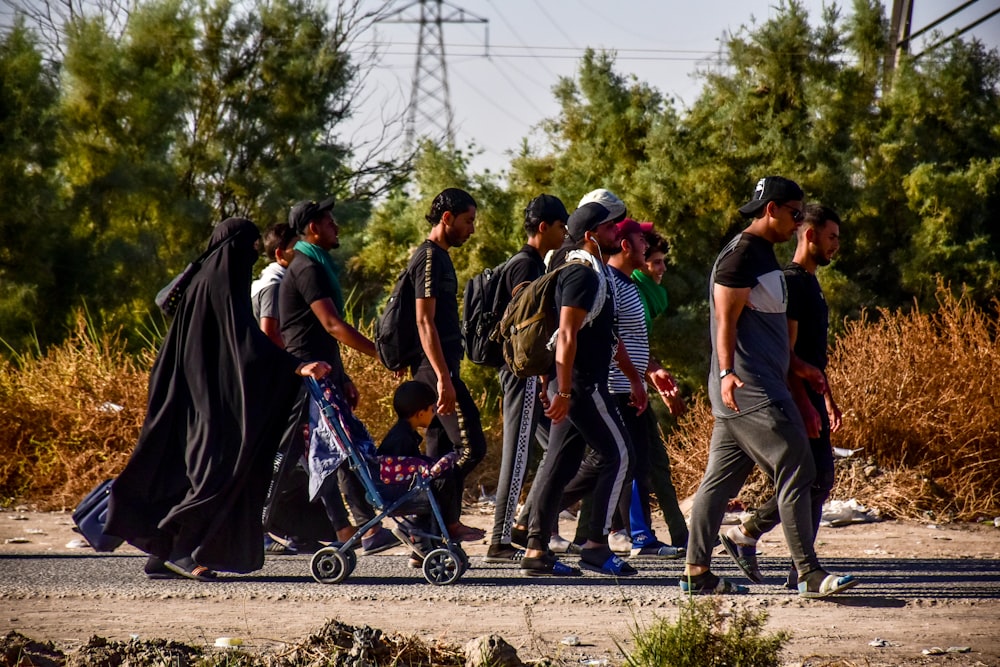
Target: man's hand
[(812, 375), (729, 385), (314, 369), (668, 390), (351, 395), (446, 396), (833, 412), (637, 396), (558, 409)]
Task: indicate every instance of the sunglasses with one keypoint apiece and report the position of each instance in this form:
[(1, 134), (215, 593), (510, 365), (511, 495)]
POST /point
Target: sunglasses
[(797, 215)]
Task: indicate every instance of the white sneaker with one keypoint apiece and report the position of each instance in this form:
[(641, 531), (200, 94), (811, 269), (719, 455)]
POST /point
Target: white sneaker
[(619, 542)]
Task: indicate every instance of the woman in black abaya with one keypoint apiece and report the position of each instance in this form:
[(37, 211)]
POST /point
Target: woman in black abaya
[(220, 394)]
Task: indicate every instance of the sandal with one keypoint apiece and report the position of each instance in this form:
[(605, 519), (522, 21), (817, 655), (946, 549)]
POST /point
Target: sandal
[(709, 584), (744, 556), (547, 566), (606, 563), (155, 568), (831, 585), (187, 568)]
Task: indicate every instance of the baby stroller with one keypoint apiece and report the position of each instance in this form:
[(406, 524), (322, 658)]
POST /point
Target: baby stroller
[(392, 494)]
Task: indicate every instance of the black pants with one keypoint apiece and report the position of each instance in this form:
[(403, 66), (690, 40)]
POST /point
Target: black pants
[(461, 431), (593, 420)]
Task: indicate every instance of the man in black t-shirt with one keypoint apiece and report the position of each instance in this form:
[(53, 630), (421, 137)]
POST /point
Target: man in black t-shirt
[(808, 326), (457, 425), (310, 306), (545, 222), (580, 406)]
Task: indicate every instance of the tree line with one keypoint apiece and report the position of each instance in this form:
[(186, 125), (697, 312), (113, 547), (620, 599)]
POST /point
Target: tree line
[(120, 151)]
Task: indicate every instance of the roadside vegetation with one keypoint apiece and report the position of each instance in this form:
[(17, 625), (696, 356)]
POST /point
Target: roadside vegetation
[(915, 389)]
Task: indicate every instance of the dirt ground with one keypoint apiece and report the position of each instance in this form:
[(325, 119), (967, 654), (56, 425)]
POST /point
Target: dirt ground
[(956, 603)]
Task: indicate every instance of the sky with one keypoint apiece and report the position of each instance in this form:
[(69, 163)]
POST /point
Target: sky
[(500, 94)]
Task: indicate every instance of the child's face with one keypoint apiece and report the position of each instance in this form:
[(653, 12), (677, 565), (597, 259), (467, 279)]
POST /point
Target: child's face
[(423, 418)]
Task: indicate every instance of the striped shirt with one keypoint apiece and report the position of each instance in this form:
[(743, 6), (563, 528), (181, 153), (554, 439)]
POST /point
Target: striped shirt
[(630, 325)]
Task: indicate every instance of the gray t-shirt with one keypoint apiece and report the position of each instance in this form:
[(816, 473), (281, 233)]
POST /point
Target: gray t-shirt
[(761, 359)]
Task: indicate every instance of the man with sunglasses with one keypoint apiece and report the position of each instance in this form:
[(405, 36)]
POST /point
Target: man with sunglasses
[(756, 419)]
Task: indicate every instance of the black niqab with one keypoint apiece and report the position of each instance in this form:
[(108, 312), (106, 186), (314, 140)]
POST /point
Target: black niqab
[(219, 396)]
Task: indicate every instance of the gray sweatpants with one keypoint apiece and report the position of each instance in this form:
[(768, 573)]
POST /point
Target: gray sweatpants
[(774, 438)]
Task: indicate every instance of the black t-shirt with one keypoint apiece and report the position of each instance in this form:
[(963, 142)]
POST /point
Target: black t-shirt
[(526, 265), (577, 286), (305, 282), (807, 306), (401, 440), (433, 276)]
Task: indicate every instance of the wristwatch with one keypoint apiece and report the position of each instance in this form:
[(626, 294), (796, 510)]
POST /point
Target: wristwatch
[(726, 371)]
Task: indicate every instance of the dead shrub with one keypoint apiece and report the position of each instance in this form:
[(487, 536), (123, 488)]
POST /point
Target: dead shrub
[(918, 399), (69, 419)]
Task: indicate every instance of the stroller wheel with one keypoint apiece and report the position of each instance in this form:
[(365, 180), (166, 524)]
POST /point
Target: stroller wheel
[(329, 566), (442, 567)]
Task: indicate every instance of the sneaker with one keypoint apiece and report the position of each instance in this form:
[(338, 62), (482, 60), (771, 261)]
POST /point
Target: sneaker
[(503, 553), (276, 548), (658, 550), (744, 555), (560, 545), (619, 542), (382, 540), (792, 582)]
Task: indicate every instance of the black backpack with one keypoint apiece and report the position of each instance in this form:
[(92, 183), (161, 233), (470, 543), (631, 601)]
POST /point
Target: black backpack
[(397, 341), (481, 312)]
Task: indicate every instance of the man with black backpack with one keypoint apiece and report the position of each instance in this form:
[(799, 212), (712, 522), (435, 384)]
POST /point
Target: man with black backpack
[(435, 289), (545, 222)]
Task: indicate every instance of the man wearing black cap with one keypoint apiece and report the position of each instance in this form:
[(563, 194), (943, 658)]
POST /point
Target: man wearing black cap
[(310, 308), (580, 406), (756, 419), (545, 222)]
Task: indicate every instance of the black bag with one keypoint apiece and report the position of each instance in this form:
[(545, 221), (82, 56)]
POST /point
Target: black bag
[(90, 515), (169, 297), (481, 311), (397, 341)]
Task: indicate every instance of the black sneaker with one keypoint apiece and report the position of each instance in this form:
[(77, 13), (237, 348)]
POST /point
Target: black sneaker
[(503, 553)]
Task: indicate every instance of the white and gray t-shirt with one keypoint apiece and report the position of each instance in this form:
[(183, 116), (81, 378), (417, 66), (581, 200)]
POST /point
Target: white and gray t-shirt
[(762, 354)]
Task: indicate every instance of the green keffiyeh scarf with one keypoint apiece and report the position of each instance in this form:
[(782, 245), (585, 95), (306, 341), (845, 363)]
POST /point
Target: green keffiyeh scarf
[(654, 296), (322, 257)]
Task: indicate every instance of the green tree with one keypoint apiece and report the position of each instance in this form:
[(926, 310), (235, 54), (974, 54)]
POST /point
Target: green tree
[(31, 221)]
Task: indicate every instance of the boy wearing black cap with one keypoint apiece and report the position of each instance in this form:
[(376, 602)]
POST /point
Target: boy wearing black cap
[(310, 308), (580, 406), (756, 419), (545, 222)]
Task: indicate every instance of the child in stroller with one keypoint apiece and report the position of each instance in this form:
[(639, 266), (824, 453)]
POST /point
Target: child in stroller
[(420, 495), (400, 459)]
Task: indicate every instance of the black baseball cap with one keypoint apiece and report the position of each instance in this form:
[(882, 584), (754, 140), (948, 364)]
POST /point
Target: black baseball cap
[(306, 211), (587, 218), (546, 208), (772, 188)]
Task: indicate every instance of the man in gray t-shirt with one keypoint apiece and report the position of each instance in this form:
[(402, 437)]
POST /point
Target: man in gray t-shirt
[(756, 420)]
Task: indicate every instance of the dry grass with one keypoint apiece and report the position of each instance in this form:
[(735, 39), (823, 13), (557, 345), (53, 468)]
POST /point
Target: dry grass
[(59, 432), (916, 390), (917, 393)]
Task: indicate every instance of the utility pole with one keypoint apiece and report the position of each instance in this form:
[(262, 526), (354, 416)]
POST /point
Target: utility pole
[(430, 99), (899, 35)]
